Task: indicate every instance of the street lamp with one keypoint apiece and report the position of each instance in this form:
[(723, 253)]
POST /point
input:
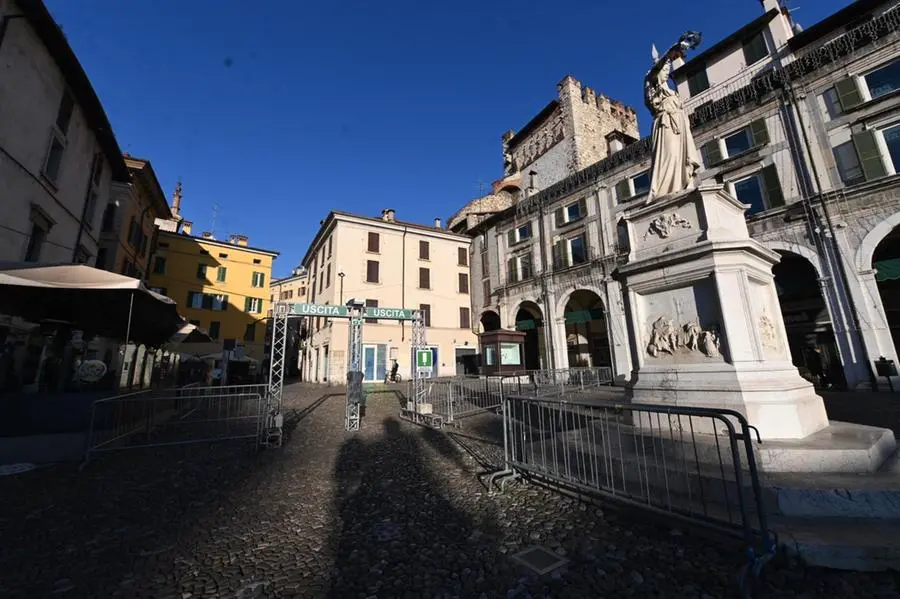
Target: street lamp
[(341, 277)]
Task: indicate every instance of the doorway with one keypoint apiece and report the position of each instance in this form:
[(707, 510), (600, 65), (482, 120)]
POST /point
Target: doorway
[(465, 360), (374, 362)]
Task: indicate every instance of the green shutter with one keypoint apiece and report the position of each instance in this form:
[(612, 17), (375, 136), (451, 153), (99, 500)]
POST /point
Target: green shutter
[(511, 238), (582, 208), (712, 153), (773, 186), (759, 132), (224, 303), (557, 254), (559, 217), (247, 304), (869, 156), (511, 270), (848, 93), (623, 191)]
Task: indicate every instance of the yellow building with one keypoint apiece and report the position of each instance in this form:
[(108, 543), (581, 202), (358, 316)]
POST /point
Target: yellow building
[(220, 286)]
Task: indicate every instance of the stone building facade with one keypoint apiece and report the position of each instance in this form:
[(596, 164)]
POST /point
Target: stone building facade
[(803, 126)]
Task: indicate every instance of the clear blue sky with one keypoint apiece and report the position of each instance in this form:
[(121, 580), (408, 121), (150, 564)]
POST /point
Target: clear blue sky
[(280, 110)]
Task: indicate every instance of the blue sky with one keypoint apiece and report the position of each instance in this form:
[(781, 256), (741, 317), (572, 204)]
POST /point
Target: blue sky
[(278, 111)]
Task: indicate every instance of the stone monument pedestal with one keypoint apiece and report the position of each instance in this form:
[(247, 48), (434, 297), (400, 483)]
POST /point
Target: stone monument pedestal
[(704, 316)]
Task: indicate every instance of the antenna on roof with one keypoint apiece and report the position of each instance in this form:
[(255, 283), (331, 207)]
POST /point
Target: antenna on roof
[(480, 188), (215, 213)]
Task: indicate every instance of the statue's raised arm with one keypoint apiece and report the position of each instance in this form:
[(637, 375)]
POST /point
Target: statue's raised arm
[(675, 159)]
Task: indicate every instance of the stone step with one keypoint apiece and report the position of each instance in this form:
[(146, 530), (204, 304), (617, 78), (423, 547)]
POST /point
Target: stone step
[(842, 543)]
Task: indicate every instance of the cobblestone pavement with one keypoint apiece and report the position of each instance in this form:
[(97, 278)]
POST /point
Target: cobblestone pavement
[(391, 511)]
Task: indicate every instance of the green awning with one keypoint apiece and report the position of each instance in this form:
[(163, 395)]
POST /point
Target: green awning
[(583, 316), (887, 270), (527, 325)]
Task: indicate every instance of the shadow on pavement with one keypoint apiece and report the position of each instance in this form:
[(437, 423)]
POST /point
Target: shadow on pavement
[(397, 522), (120, 527)]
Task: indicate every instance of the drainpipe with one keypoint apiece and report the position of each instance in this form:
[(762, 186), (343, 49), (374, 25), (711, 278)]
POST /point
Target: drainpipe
[(548, 323), (833, 244)]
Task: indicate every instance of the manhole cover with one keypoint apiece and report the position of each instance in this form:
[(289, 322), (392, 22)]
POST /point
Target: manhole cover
[(539, 559), (10, 469)]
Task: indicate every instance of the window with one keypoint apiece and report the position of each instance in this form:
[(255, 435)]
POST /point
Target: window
[(853, 91), (54, 158), (35, 243), (883, 80), (570, 213), (762, 190), (486, 290), (101, 258), (201, 271), (462, 256), (223, 256), (372, 271), (64, 114), (91, 205), (373, 243), (221, 273), (424, 278), (847, 161), (755, 49), (371, 303), (519, 268), (570, 252), (195, 300), (159, 265), (302, 291), (747, 138), (214, 327), (257, 261), (258, 279), (832, 103), (463, 282), (484, 256), (109, 218), (217, 303), (424, 250), (250, 332), (632, 187), (253, 305), (328, 276), (426, 314), (698, 82), (321, 284), (329, 245), (464, 321), (160, 290), (518, 235), (892, 141)]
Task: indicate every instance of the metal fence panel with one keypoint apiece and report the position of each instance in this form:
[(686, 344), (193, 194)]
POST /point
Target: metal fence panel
[(176, 416), (645, 455)]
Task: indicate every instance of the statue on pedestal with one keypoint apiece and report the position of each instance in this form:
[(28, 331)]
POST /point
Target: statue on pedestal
[(675, 159)]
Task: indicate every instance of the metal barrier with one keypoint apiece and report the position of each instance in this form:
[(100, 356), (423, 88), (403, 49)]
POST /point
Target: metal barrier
[(650, 456), (176, 417), (451, 398)]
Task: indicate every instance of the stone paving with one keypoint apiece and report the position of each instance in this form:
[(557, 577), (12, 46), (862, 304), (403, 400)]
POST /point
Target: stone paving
[(391, 511)]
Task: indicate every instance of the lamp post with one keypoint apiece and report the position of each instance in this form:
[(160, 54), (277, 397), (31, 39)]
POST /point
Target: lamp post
[(341, 277)]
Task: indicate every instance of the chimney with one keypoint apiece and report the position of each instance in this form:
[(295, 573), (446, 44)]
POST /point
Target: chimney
[(207, 235), (176, 201), (240, 240), (186, 227), (437, 223), (388, 214)]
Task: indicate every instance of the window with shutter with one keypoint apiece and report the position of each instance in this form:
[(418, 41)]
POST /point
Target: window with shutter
[(559, 217), (525, 266), (698, 82), (755, 49), (424, 250), (511, 271), (759, 132), (711, 153), (486, 290), (464, 320), (426, 314), (848, 93), (373, 245), (774, 195), (511, 238), (557, 254), (463, 283), (462, 256), (623, 190), (869, 156), (371, 303), (248, 304), (371, 271), (424, 278)]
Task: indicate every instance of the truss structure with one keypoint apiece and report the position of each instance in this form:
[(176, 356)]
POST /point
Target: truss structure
[(271, 434), (354, 370)]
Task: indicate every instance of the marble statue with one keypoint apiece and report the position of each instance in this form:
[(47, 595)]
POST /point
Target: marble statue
[(674, 159)]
